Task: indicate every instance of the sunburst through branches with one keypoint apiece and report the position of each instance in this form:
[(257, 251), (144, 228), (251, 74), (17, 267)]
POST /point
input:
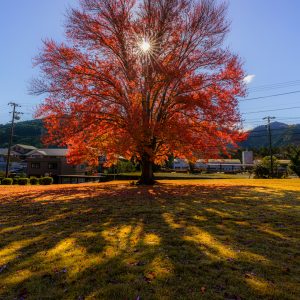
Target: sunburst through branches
[(146, 47)]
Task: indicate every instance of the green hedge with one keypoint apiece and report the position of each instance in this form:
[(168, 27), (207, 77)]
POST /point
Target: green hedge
[(23, 181), (34, 181), (7, 181), (46, 180), (26, 181)]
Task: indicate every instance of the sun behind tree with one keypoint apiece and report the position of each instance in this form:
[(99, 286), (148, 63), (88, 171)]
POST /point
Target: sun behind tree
[(142, 80)]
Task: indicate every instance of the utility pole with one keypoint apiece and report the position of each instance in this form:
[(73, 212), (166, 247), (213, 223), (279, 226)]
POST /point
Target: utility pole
[(268, 118), (15, 116)]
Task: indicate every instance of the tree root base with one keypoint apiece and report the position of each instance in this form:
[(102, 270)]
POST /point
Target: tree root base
[(146, 182)]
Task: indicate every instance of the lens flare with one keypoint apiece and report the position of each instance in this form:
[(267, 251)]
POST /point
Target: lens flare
[(145, 46)]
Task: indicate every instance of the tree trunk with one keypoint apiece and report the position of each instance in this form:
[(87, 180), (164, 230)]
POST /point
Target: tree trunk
[(147, 176)]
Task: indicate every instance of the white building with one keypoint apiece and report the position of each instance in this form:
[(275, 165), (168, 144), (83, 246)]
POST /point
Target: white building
[(210, 165), (247, 157)]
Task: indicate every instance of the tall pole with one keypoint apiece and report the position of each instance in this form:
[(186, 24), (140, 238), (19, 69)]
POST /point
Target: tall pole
[(14, 117), (268, 118)]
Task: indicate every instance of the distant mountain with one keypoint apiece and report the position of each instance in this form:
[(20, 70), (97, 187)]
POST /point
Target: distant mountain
[(27, 132), (282, 135), (30, 132)]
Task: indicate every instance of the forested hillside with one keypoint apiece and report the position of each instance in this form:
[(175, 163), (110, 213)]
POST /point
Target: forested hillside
[(26, 132), (282, 136), (30, 132)]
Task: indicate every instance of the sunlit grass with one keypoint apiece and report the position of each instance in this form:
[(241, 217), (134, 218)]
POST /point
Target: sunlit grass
[(180, 239)]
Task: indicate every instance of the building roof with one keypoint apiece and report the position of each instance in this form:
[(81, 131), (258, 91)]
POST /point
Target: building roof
[(212, 161), (284, 161), (35, 151), (27, 147), (55, 152), (280, 161), (224, 161), (3, 151), (48, 152)]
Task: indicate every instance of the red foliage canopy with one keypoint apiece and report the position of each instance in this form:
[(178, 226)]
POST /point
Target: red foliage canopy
[(110, 95)]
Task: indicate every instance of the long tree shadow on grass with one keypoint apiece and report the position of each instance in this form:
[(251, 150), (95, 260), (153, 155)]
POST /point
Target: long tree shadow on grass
[(163, 242)]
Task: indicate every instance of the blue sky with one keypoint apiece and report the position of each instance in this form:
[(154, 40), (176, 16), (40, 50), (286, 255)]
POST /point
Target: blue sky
[(265, 33)]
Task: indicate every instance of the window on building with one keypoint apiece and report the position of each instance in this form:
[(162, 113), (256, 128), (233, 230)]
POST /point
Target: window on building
[(35, 165), (52, 166)]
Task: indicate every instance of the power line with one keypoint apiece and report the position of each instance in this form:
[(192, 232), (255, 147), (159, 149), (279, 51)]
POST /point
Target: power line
[(281, 118), (270, 96), (274, 129), (253, 125), (276, 83), (278, 109), (273, 86), (278, 134)]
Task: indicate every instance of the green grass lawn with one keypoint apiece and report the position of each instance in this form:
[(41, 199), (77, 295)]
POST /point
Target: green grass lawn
[(209, 239)]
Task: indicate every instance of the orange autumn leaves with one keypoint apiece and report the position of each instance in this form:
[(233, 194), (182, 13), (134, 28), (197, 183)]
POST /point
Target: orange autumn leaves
[(104, 97)]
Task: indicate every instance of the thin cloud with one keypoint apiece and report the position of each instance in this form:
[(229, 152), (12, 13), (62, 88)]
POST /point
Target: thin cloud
[(248, 79)]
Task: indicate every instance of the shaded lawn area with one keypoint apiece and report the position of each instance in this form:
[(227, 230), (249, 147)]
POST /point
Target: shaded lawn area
[(209, 239)]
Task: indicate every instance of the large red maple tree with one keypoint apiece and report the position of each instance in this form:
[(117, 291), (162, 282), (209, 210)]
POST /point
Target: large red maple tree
[(142, 79)]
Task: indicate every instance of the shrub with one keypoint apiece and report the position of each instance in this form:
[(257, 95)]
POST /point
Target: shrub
[(46, 180), (261, 171), (23, 181), (7, 181), (294, 156), (34, 181), (15, 180), (124, 167)]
